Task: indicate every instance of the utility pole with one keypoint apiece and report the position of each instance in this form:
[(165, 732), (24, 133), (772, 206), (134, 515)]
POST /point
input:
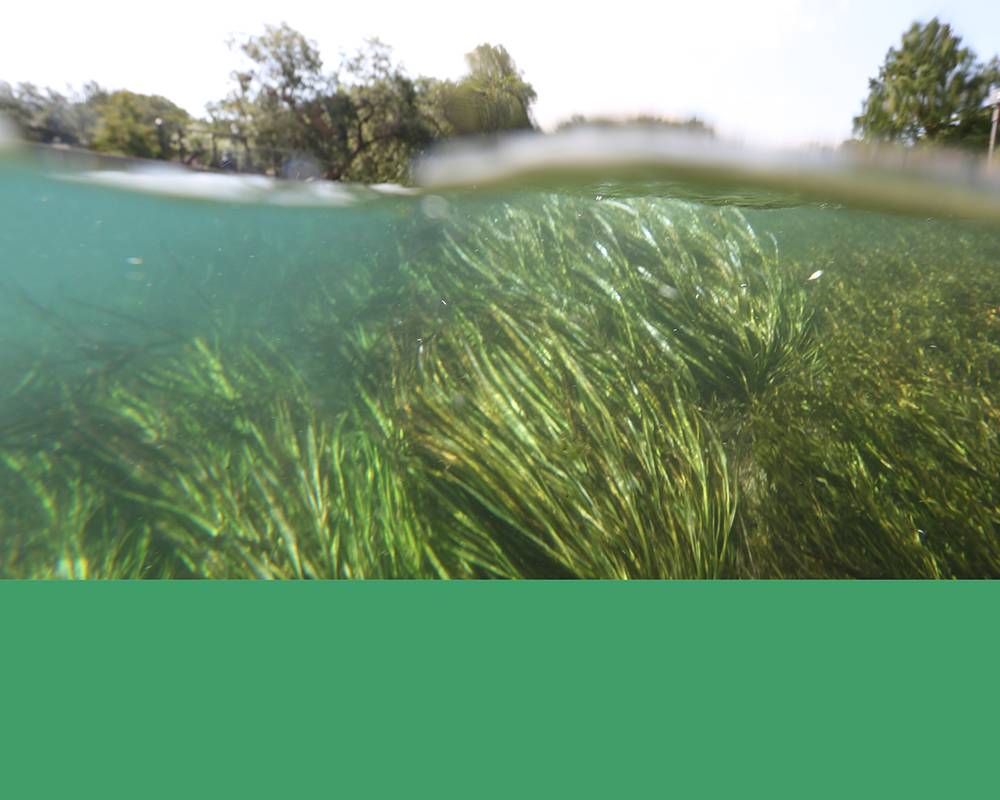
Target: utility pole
[(995, 100)]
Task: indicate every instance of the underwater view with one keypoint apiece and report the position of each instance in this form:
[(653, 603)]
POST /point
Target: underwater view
[(209, 376)]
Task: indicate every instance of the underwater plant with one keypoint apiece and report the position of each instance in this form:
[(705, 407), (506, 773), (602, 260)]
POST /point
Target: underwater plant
[(550, 367), (549, 387), (687, 286), (229, 470)]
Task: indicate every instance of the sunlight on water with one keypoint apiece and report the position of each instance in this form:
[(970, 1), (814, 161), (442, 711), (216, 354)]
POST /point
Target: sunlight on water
[(577, 356)]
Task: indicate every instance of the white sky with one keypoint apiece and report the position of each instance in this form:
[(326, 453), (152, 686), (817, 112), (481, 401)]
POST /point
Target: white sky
[(777, 72)]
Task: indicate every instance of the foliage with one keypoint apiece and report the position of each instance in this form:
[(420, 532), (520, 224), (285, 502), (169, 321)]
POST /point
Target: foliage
[(366, 120), (884, 463), (289, 115), (50, 116), (491, 98), (931, 89), (362, 122), (387, 126), (144, 126), (549, 387), (122, 122), (285, 71)]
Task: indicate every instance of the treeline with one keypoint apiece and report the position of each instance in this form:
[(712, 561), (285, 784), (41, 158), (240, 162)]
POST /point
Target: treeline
[(289, 115), (121, 122)]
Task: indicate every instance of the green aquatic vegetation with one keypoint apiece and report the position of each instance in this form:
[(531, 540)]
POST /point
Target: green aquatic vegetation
[(689, 288), (553, 387), (225, 452), (221, 462), (550, 462), (544, 373), (860, 442), (881, 481), (55, 524), (884, 463)]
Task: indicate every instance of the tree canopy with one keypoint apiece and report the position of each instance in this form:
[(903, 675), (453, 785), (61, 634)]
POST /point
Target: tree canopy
[(366, 119), (147, 126), (361, 121), (930, 89), (290, 114), (46, 115), (492, 97), (122, 122)]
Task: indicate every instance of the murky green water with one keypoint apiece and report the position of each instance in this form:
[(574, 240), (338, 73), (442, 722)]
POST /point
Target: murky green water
[(649, 378)]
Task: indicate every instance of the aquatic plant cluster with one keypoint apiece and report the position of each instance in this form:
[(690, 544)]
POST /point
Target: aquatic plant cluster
[(555, 388)]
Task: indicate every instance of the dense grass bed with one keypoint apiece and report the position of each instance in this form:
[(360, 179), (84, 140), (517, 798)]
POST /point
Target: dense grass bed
[(557, 388)]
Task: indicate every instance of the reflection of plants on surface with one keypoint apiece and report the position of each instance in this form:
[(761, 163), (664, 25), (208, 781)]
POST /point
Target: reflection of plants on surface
[(561, 388)]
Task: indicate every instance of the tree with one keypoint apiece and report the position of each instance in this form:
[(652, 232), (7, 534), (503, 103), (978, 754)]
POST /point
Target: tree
[(929, 89), (288, 115), (126, 123), (375, 119), (45, 115), (139, 125), (285, 71), (493, 97), (363, 122)]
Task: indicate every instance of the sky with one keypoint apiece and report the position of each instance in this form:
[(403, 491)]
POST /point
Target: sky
[(764, 72)]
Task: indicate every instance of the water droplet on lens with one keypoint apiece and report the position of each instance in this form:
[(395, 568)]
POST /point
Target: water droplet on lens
[(434, 207)]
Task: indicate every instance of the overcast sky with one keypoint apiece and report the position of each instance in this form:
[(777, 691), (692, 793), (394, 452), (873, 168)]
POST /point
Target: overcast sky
[(778, 72)]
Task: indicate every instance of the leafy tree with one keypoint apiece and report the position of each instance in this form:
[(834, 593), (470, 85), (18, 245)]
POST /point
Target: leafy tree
[(374, 121), (493, 97), (433, 97), (929, 89), (144, 126), (362, 122), (285, 72), (45, 115)]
